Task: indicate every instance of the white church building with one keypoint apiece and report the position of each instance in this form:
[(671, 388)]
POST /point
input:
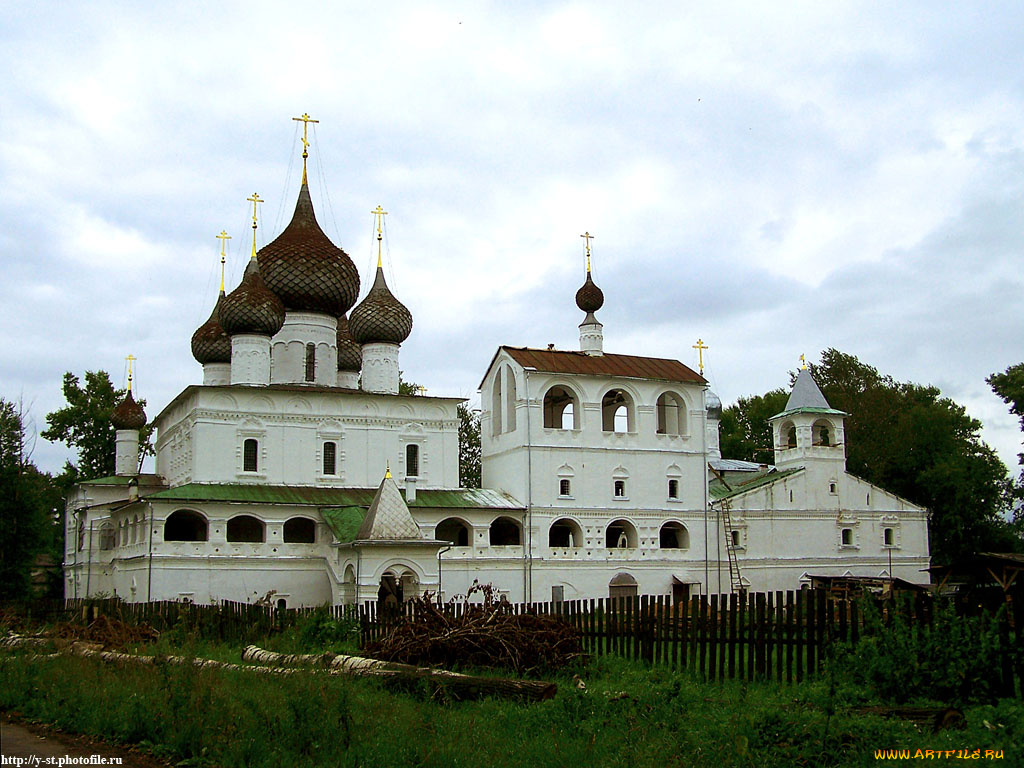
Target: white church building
[(298, 475)]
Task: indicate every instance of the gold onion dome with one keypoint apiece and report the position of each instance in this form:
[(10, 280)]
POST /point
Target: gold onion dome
[(350, 357), (251, 307), (305, 269), (210, 343), (380, 317), (589, 297), (128, 414)]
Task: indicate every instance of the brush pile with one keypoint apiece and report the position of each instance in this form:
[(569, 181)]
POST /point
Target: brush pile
[(485, 635), (111, 634)]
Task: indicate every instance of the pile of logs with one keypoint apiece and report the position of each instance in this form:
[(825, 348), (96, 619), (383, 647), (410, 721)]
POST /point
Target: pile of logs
[(487, 636), (111, 634)]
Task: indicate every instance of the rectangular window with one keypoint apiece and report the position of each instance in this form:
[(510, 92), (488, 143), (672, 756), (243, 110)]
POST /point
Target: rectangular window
[(847, 535), (250, 449), (557, 594), (887, 537), (564, 487), (673, 489), (330, 458), (310, 362), (620, 489), (412, 460)]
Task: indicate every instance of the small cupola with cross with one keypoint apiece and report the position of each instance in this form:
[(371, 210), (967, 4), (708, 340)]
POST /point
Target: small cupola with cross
[(809, 429)]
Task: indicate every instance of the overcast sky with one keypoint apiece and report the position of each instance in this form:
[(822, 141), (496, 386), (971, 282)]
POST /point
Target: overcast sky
[(774, 179)]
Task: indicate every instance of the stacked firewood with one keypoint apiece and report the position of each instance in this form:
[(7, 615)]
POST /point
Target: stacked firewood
[(484, 635)]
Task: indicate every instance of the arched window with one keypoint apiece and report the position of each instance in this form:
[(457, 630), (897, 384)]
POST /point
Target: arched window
[(671, 414), (565, 533), (108, 537), (454, 530), (565, 487), (496, 404), (299, 530), (330, 458), (619, 489), (622, 585), (822, 433), (561, 409), (510, 400), (250, 452), (887, 537), (621, 534), (311, 362), (673, 488), (412, 460), (505, 533), (674, 536), (787, 435), (185, 525), (246, 528), (847, 537), (617, 412)]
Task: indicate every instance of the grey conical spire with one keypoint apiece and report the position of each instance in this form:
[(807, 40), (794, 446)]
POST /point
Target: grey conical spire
[(806, 393)]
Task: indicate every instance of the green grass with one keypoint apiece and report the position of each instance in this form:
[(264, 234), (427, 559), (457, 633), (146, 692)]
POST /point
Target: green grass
[(629, 715)]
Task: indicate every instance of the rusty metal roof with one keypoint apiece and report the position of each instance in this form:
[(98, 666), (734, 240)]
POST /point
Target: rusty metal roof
[(632, 366), (455, 498)]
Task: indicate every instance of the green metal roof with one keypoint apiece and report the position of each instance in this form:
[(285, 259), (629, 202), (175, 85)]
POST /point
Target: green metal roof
[(344, 522), (718, 490), (828, 411), (454, 498)]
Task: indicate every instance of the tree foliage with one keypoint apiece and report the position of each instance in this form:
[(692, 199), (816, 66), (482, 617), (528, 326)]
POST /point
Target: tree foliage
[(1009, 385), (469, 447), (29, 501), (908, 439), (745, 431), (84, 424)]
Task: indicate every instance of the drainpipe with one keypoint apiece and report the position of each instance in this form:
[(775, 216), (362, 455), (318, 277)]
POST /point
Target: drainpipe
[(149, 575), (88, 564), (441, 552), (528, 555)]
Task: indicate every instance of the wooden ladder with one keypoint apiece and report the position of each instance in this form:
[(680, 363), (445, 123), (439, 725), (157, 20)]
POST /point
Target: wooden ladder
[(730, 549)]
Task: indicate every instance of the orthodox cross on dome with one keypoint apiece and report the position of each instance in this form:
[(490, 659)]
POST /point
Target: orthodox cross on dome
[(387, 470), (588, 237), (130, 359), (803, 363), (421, 389), (223, 237), (380, 213), (700, 346), (305, 120), (254, 200)]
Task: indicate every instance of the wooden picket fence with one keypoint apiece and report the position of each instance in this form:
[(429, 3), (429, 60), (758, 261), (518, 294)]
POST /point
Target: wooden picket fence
[(781, 636)]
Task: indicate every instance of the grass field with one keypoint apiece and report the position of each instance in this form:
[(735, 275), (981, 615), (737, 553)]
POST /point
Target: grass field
[(628, 715)]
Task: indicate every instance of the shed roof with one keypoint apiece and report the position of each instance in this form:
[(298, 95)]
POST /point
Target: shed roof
[(580, 363)]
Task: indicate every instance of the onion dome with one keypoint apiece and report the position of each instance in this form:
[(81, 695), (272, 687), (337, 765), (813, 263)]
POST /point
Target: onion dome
[(350, 357), (380, 317), (128, 414), (589, 297), (251, 307), (210, 343), (714, 405), (305, 269)]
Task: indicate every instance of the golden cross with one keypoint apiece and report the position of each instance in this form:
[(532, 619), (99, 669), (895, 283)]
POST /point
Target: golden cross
[(254, 200), (803, 363), (421, 389), (223, 237), (588, 237), (305, 120), (130, 359), (700, 346), (380, 213)]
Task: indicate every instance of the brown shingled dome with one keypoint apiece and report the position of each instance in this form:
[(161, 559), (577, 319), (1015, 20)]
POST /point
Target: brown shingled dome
[(589, 297), (305, 269), (210, 343), (128, 414), (380, 317), (350, 356), (251, 307)]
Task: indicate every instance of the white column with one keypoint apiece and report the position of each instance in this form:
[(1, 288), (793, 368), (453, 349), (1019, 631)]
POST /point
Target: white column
[(250, 359), (380, 368), (216, 374), (126, 452)]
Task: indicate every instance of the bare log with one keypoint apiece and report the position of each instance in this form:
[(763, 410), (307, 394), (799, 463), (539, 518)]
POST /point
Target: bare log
[(260, 656)]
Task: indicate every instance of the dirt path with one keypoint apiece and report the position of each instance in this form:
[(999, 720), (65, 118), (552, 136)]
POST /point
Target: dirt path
[(33, 743)]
